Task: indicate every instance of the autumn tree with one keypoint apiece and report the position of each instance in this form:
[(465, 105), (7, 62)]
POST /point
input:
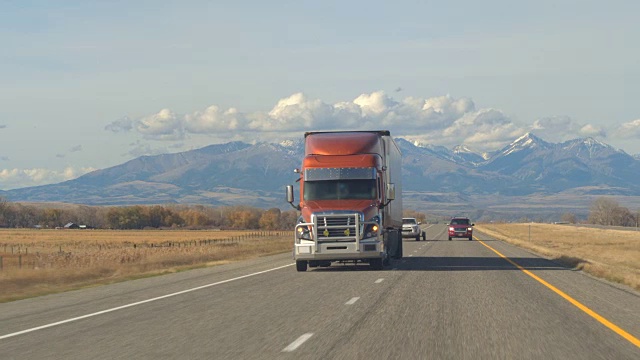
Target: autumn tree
[(606, 211), (288, 219), (569, 218), (601, 211), (244, 218), (195, 218), (270, 219), (3, 208)]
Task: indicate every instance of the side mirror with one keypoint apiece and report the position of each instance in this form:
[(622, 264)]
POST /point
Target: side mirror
[(391, 192), (473, 224), (290, 198)]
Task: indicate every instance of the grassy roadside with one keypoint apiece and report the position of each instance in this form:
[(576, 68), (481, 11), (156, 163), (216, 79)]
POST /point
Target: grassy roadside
[(609, 254), (36, 262)]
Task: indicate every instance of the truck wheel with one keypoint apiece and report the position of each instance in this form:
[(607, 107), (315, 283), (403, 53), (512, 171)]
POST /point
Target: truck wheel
[(424, 236), (301, 265), (470, 238), (376, 264), (418, 237), (449, 238)]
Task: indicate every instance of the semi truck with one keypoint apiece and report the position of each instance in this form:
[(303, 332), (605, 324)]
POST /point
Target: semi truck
[(350, 200)]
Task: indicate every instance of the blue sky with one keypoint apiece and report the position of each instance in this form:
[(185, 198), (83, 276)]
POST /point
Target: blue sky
[(87, 85)]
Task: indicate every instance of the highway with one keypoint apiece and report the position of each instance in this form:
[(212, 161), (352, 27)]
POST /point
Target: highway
[(455, 299)]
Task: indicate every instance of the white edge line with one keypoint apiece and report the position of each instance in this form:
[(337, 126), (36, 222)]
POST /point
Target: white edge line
[(296, 344), (352, 301), (136, 303)]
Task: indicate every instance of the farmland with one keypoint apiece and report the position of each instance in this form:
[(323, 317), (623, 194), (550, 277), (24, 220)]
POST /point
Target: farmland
[(36, 262), (606, 253)]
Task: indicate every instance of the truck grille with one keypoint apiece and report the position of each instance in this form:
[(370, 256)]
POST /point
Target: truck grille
[(337, 227)]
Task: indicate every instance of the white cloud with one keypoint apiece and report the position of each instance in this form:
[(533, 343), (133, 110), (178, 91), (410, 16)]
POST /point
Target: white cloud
[(441, 120), (212, 120), (19, 178), (562, 128), (592, 131), (484, 129), (164, 125), (629, 130), (139, 148), (124, 124)]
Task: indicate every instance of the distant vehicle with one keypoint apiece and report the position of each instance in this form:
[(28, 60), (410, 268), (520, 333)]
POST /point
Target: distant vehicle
[(411, 228), (350, 200), (460, 227)]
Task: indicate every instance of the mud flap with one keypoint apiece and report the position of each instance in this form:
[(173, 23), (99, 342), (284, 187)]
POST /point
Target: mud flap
[(394, 243)]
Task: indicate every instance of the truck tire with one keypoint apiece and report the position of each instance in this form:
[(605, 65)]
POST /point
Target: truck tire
[(386, 260), (449, 238), (418, 237), (301, 265), (424, 236), (376, 264), (470, 238)]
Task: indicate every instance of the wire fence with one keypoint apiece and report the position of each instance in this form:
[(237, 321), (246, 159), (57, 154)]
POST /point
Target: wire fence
[(19, 256)]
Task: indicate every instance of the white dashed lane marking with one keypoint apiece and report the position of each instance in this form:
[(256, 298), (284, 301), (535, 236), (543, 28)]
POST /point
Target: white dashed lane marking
[(296, 344), (379, 281), (352, 301)]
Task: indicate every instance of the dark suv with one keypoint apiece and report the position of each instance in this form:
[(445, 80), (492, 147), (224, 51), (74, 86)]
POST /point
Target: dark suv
[(460, 227)]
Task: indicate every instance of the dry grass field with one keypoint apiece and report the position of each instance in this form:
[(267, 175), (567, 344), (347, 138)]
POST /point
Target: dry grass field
[(610, 254), (37, 262)]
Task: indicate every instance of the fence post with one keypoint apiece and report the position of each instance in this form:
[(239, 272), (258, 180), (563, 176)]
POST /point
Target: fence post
[(0, 263), (20, 261)]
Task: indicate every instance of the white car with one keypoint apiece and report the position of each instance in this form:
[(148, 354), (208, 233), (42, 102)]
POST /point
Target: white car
[(411, 228)]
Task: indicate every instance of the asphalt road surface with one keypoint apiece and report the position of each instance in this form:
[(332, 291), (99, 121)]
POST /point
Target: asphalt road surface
[(445, 300)]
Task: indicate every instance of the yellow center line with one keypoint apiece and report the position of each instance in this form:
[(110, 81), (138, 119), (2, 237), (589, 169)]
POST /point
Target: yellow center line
[(573, 301)]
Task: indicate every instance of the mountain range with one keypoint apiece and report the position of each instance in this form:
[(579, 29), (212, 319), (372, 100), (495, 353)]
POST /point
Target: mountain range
[(434, 177)]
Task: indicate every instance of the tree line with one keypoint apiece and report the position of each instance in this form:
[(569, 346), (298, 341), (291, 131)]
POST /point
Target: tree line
[(606, 211), (16, 215), (603, 211)]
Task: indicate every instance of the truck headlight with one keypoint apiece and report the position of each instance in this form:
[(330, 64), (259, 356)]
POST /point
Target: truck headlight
[(303, 233), (371, 230), (469, 229)]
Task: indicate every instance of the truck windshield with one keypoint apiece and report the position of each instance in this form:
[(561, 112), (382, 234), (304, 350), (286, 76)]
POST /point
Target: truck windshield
[(360, 189)]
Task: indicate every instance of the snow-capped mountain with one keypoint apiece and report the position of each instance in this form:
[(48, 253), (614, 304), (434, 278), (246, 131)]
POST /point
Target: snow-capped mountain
[(468, 154), (240, 173)]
